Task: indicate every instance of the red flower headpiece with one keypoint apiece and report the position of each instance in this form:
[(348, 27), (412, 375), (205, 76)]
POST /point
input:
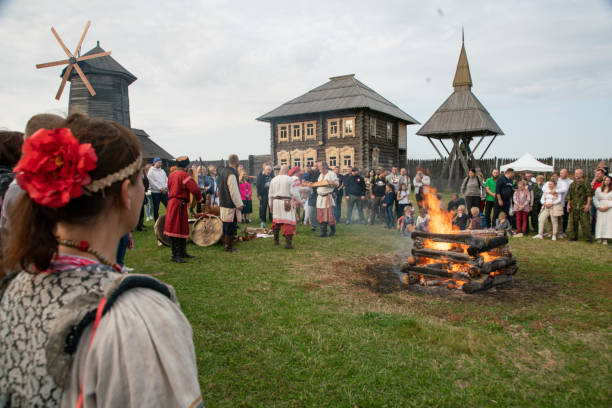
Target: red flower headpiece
[(54, 167)]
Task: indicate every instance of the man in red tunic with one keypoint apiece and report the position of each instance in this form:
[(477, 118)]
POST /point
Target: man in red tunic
[(180, 184)]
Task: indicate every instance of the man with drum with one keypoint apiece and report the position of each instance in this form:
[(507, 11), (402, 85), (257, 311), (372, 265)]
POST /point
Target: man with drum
[(176, 226)]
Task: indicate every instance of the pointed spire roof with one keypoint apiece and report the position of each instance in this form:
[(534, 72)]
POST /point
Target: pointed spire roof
[(462, 76), (461, 114), (341, 92)]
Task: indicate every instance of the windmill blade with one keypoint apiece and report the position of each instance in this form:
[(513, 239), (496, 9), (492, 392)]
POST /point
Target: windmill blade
[(84, 78), (100, 54), (76, 51), (53, 64), (59, 40), (63, 84)]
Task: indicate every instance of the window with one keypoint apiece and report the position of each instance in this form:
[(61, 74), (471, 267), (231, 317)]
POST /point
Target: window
[(332, 161), (310, 155), (349, 127), (348, 157), (373, 127), (310, 129), (283, 133), (389, 131), (296, 131), (297, 162), (332, 130), (283, 157), (375, 157)]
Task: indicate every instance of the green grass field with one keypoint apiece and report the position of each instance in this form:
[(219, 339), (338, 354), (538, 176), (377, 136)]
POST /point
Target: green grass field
[(325, 326)]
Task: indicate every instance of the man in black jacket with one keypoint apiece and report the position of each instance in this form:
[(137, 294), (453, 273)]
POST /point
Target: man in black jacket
[(378, 194), (504, 190), (229, 201), (145, 182), (263, 187), (355, 191)]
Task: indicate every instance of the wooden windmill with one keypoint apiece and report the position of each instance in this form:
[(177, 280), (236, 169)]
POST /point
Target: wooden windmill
[(72, 62)]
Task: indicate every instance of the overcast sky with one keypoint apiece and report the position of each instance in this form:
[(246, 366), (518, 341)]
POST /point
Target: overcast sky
[(207, 69)]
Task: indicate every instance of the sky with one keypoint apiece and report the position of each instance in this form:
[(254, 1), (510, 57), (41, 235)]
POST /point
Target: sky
[(207, 69)]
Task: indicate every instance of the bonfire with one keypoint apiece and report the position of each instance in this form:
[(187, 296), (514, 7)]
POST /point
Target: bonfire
[(470, 260)]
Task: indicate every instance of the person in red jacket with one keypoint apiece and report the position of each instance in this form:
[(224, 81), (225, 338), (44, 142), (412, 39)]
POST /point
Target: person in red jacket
[(180, 184)]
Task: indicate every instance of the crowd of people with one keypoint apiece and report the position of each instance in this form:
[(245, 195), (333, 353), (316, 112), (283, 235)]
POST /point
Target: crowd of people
[(72, 190)]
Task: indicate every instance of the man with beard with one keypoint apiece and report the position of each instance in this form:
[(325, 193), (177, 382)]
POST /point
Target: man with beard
[(504, 190), (325, 200), (230, 201)]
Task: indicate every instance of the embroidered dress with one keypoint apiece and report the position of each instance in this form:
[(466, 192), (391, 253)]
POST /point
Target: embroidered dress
[(143, 343), (325, 201)]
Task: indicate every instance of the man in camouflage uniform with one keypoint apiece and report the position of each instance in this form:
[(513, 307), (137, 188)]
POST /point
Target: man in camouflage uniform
[(578, 199)]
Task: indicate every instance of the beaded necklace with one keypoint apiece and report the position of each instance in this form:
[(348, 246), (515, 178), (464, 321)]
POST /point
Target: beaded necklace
[(83, 246)]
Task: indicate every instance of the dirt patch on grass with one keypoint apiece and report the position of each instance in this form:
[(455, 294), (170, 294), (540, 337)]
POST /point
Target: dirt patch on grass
[(380, 274)]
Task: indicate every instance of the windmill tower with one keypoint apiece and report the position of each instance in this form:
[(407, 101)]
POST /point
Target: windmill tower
[(111, 82), (111, 100), (460, 119)]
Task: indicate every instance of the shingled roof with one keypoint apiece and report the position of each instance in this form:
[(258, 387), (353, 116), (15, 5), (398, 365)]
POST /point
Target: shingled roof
[(150, 149), (461, 114), (341, 92), (106, 65)]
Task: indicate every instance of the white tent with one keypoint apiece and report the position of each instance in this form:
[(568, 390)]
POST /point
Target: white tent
[(527, 163)]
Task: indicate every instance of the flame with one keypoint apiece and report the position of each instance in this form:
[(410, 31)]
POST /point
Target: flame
[(441, 221)]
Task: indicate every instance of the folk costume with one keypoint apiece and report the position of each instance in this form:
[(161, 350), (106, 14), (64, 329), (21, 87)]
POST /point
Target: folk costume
[(180, 184), (65, 339), (326, 204), (229, 201), (283, 214)]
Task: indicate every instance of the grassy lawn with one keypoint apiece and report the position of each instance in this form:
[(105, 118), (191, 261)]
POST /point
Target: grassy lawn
[(326, 325)]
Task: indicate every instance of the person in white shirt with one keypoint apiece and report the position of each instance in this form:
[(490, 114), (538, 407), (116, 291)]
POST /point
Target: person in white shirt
[(563, 185), (325, 200), (421, 186), (280, 197), (158, 183), (552, 207)]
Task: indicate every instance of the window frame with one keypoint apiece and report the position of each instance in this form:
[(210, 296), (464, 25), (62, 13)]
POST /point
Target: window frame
[(352, 132), (337, 126), (390, 131), (312, 123), (296, 126), (280, 129), (373, 131)]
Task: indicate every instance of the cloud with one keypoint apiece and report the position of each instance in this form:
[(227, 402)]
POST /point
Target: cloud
[(206, 70)]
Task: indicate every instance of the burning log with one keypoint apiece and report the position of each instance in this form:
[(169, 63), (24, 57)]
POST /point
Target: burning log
[(472, 239), (447, 256), (497, 263), (426, 270), (487, 245)]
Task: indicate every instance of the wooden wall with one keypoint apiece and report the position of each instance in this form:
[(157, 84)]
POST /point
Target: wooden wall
[(362, 142), (111, 101)]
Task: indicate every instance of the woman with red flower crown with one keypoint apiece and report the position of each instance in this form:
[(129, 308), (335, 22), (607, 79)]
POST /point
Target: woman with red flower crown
[(74, 331)]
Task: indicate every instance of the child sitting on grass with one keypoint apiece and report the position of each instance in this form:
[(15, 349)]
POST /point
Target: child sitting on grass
[(405, 224), (422, 221), (460, 218), (502, 223), (388, 206), (476, 221)]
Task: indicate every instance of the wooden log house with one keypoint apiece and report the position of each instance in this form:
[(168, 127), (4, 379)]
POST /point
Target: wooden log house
[(343, 122)]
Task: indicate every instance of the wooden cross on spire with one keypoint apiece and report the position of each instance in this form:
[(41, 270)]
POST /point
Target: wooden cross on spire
[(72, 61)]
